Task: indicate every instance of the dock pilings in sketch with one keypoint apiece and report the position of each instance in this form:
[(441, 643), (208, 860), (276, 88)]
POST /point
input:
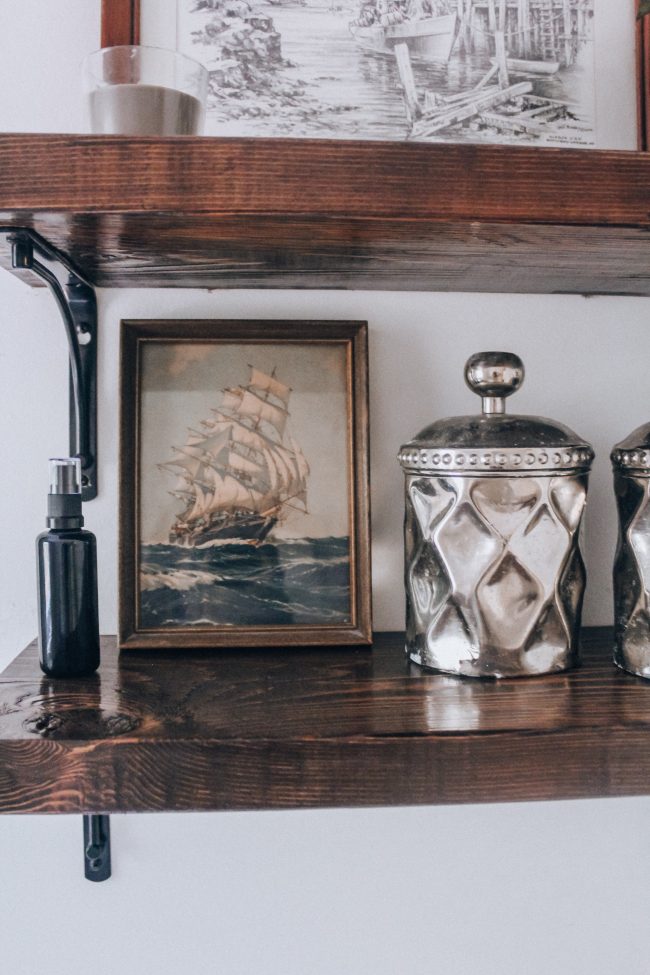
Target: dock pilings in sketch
[(526, 39), (548, 30)]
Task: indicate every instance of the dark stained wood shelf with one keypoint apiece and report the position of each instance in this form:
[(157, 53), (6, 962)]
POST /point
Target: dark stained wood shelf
[(276, 729), (204, 212)]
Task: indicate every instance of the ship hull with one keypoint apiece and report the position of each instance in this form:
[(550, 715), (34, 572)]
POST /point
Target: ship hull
[(251, 530), (431, 39)]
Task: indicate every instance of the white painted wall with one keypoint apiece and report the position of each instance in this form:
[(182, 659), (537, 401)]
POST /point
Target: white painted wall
[(497, 890)]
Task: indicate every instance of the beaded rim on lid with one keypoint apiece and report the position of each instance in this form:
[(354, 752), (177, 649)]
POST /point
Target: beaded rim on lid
[(633, 454), (495, 442)]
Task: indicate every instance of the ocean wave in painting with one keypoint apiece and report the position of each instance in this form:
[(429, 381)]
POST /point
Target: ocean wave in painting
[(303, 582)]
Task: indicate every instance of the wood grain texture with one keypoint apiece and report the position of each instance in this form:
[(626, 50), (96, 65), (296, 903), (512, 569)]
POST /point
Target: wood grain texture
[(200, 251), (121, 174), (283, 729), (303, 214)]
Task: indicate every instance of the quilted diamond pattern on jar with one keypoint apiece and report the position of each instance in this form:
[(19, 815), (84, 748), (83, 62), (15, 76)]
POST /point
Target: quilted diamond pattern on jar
[(495, 577)]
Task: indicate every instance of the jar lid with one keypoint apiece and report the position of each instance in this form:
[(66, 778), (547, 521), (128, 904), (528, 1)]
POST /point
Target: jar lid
[(493, 442), (633, 453)]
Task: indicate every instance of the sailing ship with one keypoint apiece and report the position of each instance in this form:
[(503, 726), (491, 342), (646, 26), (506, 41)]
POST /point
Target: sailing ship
[(427, 38), (242, 473)]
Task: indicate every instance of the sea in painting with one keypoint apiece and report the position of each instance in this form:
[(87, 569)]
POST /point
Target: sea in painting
[(328, 69), (299, 582)]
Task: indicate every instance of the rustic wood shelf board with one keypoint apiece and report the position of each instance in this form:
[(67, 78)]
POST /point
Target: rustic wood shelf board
[(303, 728), (203, 212)]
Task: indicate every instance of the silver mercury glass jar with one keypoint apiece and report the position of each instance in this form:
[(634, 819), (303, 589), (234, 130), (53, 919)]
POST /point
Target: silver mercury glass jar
[(631, 463), (493, 571)]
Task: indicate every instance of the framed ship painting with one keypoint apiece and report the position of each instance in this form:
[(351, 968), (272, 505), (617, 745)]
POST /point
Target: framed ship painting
[(244, 484), (521, 72)]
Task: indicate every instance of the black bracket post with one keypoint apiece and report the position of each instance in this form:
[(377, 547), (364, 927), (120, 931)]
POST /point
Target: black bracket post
[(76, 302), (97, 847)]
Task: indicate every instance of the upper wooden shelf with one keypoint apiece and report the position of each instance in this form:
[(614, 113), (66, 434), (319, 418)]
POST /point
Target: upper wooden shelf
[(203, 212), (308, 728)]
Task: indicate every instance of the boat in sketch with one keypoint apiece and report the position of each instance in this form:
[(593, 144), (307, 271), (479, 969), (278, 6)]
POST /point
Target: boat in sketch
[(241, 474), (428, 38)]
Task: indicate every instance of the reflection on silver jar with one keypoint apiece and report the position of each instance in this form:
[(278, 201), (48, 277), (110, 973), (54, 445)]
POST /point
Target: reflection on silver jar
[(493, 571)]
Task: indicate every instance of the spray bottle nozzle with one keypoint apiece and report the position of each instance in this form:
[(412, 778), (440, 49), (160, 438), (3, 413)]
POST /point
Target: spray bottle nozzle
[(64, 497)]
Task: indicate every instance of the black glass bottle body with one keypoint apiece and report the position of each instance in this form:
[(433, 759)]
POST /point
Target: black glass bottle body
[(68, 618)]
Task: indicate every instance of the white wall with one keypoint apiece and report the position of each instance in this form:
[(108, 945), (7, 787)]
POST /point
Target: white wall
[(493, 890)]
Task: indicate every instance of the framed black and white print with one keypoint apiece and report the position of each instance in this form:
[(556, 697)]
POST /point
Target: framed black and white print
[(558, 73), (244, 484)]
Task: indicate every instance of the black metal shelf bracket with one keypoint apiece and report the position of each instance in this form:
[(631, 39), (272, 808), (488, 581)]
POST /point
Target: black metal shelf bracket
[(76, 301), (97, 847)]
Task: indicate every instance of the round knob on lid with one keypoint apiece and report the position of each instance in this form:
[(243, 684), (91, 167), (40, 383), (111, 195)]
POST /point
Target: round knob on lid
[(493, 376)]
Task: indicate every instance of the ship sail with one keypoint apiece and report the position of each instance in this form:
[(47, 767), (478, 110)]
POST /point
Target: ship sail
[(249, 437), (269, 384), (303, 466), (253, 405), (244, 465), (186, 462), (239, 475), (231, 399), (199, 505), (274, 479)]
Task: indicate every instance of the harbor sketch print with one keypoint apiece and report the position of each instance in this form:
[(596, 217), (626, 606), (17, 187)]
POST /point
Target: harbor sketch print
[(507, 71), (244, 485)]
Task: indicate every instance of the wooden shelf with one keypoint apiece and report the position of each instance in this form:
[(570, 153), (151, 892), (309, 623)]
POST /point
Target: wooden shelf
[(203, 212), (297, 728)]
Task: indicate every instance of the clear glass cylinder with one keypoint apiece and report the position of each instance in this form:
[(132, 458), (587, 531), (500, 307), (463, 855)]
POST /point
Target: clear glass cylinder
[(136, 90)]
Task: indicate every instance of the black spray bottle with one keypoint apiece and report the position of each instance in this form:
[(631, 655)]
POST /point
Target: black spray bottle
[(68, 621)]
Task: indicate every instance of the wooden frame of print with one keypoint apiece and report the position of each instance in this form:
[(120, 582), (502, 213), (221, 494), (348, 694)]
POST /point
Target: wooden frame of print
[(643, 76), (242, 529), (120, 24)]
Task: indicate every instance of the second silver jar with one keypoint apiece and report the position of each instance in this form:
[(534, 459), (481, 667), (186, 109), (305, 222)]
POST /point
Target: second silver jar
[(493, 571), (631, 462)]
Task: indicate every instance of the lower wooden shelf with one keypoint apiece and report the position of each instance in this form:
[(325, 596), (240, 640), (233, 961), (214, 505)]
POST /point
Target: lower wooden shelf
[(313, 728)]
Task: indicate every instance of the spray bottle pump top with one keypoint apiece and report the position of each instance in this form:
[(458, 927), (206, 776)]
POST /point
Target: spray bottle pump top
[(64, 497)]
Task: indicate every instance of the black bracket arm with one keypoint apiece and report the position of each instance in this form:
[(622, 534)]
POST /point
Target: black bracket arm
[(97, 847), (76, 302)]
